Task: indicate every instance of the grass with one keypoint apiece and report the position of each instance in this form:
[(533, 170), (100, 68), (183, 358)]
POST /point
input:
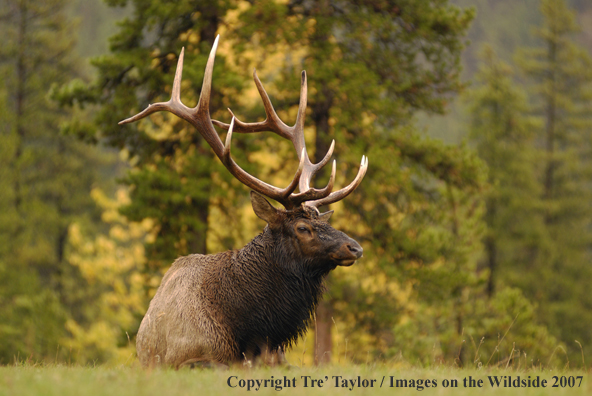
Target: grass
[(75, 380)]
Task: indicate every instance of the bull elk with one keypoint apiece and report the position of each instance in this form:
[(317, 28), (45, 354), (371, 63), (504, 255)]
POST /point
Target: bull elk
[(223, 308)]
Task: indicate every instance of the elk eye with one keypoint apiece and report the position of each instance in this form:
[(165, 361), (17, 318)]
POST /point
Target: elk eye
[(303, 229)]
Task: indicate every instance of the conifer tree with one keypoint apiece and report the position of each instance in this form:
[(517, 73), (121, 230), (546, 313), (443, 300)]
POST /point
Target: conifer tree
[(561, 75), (173, 168), (46, 178), (370, 67), (503, 133)]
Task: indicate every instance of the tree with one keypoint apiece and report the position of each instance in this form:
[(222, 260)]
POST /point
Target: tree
[(46, 178), (560, 73), (173, 169), (504, 135), (370, 67), (110, 266)]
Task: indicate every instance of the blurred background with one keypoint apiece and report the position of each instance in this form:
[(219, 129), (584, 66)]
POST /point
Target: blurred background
[(475, 214)]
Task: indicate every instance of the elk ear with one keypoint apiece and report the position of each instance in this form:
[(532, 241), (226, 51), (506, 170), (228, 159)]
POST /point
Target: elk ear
[(325, 216), (263, 209)]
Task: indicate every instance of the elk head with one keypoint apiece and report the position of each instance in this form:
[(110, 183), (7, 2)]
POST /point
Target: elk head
[(305, 233)]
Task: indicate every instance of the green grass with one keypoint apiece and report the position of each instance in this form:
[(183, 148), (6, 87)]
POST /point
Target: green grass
[(77, 381)]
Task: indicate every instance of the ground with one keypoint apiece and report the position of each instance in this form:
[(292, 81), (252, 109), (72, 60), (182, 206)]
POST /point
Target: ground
[(332, 380)]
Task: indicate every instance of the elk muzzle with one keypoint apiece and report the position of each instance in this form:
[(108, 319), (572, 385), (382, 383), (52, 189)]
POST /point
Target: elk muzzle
[(348, 253)]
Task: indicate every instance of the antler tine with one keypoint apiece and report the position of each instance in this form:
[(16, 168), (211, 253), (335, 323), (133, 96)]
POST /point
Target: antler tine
[(173, 105), (280, 195), (344, 192), (312, 169), (272, 121), (310, 196), (313, 194), (199, 116), (290, 189)]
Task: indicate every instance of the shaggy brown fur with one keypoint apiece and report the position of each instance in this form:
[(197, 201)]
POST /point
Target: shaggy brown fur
[(229, 306)]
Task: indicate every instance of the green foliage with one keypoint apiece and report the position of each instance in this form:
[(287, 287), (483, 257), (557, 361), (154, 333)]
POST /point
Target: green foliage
[(504, 25), (560, 72), (494, 331), (172, 171), (504, 137), (536, 142), (370, 67), (46, 179), (32, 315)]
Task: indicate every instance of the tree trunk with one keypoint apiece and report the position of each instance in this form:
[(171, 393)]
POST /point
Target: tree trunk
[(550, 134), (21, 81), (200, 237), (323, 334), (491, 249), (324, 312)]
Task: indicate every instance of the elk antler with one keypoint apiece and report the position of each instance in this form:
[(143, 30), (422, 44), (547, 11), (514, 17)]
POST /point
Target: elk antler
[(200, 118)]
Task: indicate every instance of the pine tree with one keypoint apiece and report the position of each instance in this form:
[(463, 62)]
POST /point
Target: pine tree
[(503, 133), (173, 169), (561, 76), (370, 67), (46, 178)]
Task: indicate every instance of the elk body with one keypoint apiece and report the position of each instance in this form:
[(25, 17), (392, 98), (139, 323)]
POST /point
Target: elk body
[(225, 307)]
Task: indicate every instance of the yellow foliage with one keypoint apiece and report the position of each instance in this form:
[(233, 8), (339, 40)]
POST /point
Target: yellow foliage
[(110, 264)]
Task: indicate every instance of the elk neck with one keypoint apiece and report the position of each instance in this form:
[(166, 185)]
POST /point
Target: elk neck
[(279, 291)]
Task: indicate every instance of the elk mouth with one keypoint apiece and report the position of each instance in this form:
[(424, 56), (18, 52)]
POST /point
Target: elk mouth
[(343, 260), (346, 263), (347, 254)]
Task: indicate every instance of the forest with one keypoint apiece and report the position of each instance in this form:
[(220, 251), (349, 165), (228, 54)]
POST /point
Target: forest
[(475, 214)]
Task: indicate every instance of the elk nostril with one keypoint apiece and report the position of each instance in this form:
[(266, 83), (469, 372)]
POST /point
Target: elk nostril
[(356, 249)]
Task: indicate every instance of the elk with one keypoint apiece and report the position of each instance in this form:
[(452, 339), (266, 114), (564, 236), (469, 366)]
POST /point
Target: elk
[(222, 308)]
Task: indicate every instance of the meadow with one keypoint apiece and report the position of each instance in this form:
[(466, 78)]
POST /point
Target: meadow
[(49, 380)]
